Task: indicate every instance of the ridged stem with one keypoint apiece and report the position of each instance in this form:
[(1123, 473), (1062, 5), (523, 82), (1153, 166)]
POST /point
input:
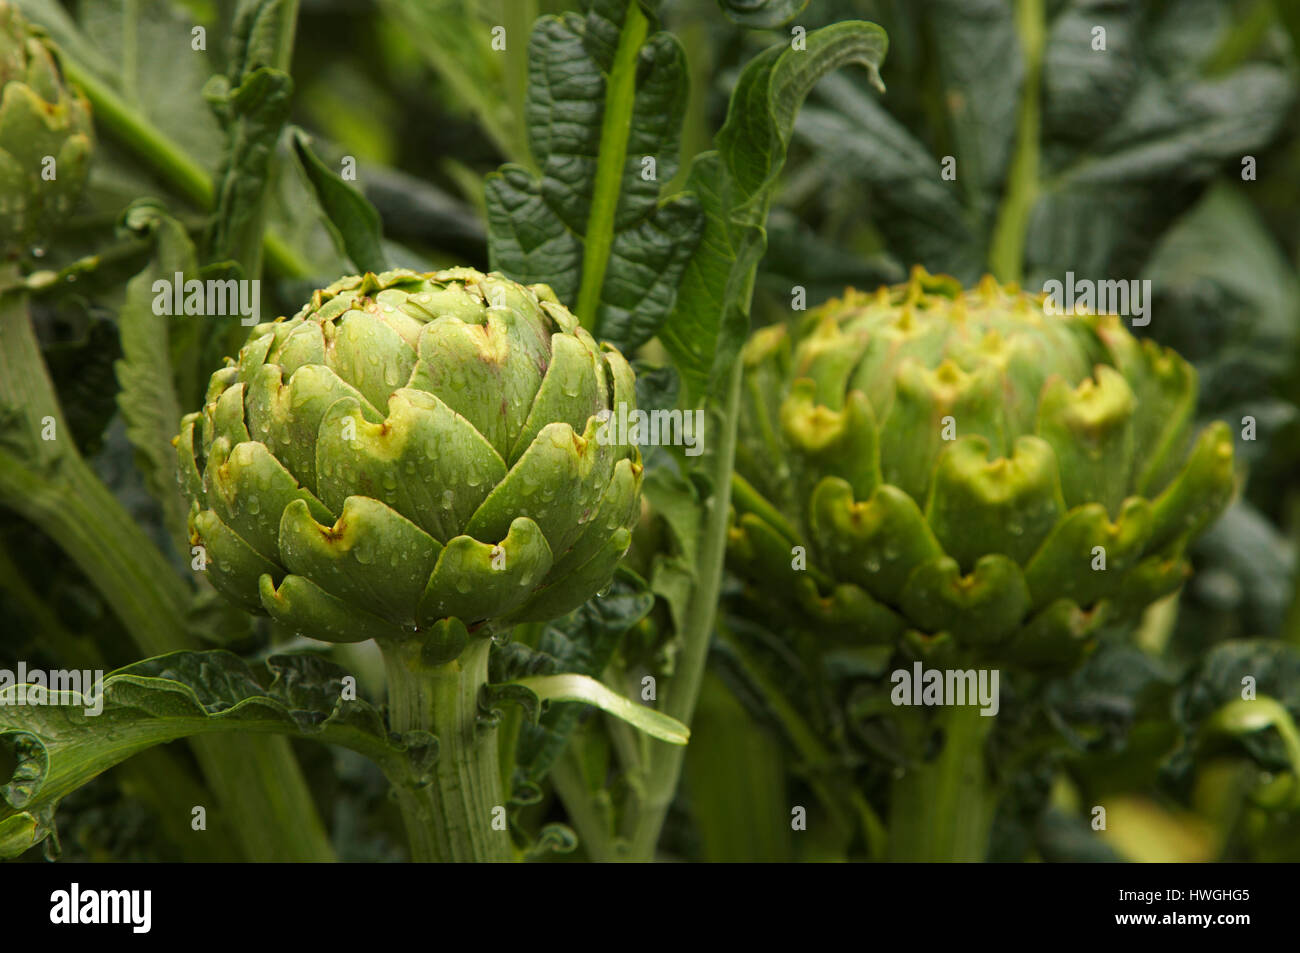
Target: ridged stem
[(452, 815), (942, 810)]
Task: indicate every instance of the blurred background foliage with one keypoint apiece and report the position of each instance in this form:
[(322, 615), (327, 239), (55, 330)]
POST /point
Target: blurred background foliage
[(1126, 163)]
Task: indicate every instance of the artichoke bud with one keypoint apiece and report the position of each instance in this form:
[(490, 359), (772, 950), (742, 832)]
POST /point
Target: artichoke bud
[(45, 136), (964, 469), (414, 455)]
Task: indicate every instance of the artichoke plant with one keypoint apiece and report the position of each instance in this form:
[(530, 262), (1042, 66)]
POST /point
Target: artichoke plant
[(413, 453), (45, 136), (958, 468)]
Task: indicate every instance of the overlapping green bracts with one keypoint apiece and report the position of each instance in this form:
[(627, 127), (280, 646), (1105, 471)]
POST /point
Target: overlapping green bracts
[(959, 467), (45, 136), (413, 452)]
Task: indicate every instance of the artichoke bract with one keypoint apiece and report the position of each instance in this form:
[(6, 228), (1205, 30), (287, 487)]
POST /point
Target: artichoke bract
[(963, 469), (45, 136), (413, 452)]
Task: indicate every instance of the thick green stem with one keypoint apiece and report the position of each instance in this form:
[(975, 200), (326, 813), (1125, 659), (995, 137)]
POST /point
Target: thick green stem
[(664, 766), (847, 806), (459, 814), (941, 810)]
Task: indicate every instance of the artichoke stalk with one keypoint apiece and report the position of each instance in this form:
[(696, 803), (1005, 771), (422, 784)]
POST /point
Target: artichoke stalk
[(963, 477), (418, 459), (45, 137)]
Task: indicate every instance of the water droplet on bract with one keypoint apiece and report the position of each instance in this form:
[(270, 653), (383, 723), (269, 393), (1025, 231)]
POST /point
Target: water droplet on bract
[(873, 565), (464, 585), (1015, 529), (253, 505), (605, 590), (37, 251), (448, 499), (389, 481)]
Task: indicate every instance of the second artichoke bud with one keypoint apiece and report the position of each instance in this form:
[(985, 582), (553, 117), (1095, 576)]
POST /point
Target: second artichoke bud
[(414, 453), (45, 137), (958, 466)]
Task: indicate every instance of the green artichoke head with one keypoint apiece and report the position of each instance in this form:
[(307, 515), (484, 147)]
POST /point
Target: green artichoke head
[(414, 453), (45, 136), (960, 468)]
